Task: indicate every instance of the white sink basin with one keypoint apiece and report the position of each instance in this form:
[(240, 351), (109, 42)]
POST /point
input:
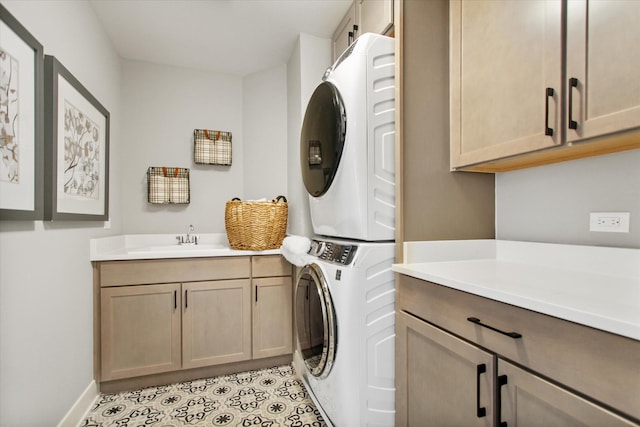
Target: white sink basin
[(178, 248)]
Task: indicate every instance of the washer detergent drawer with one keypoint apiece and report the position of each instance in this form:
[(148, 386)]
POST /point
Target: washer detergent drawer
[(598, 364)]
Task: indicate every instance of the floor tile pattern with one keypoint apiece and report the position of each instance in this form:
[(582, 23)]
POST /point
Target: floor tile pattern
[(265, 398)]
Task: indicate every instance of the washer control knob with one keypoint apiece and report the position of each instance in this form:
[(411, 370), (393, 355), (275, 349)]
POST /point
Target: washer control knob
[(317, 248)]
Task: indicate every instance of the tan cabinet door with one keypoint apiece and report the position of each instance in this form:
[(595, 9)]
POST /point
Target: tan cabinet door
[(272, 317), (505, 70), (603, 59), (345, 32), (376, 16), (216, 322), (140, 332), (528, 400), (439, 378)]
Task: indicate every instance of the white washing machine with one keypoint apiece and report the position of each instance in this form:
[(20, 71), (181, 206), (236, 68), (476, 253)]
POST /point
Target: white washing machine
[(345, 332), (347, 144)]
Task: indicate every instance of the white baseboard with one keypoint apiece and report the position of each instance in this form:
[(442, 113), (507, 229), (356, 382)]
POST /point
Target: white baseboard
[(79, 410)]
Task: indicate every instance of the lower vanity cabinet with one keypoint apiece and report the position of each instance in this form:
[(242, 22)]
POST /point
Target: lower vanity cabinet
[(443, 380), (440, 379), (216, 322), (140, 330), (272, 311), (528, 369), (526, 399), (272, 317), (149, 329), (146, 328)]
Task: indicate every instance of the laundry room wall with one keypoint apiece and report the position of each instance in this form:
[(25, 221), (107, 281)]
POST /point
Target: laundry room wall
[(552, 203), (265, 133), (159, 123), (307, 64), (264, 110), (46, 293), (162, 105)]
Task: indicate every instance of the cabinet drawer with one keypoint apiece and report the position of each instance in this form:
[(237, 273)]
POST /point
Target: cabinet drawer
[(136, 272), (270, 266), (598, 364)]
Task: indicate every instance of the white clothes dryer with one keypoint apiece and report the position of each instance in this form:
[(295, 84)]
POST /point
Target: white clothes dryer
[(347, 144), (345, 332)]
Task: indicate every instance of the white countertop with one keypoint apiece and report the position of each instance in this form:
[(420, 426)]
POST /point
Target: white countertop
[(594, 286), (158, 246)]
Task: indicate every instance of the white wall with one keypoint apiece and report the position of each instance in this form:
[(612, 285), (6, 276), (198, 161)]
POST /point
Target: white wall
[(552, 203), (265, 133), (162, 106), (309, 60), (299, 221), (46, 294)]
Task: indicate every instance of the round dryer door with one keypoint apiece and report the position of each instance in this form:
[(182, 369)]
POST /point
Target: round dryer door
[(322, 138), (315, 321)]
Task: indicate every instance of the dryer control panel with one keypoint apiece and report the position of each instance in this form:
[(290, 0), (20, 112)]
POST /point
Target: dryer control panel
[(333, 252)]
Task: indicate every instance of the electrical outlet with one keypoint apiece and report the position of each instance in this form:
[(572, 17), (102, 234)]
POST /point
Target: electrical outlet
[(609, 222)]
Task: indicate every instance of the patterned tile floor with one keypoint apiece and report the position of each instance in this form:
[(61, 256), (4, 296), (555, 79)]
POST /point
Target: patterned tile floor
[(265, 398)]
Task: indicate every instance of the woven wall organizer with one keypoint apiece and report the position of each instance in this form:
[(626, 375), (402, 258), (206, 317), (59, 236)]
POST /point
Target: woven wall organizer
[(168, 185), (212, 147)]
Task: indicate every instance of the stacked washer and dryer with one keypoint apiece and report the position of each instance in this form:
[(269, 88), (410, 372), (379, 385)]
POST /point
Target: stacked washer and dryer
[(345, 299)]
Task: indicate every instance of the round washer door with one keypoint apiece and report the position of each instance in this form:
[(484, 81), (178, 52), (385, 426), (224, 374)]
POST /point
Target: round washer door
[(315, 321), (322, 138)]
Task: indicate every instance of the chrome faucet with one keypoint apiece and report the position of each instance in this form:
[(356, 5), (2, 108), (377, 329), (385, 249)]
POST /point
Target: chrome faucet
[(188, 239), (189, 233)]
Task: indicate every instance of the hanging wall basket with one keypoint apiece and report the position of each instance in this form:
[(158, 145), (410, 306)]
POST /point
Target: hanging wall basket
[(212, 147), (168, 185)]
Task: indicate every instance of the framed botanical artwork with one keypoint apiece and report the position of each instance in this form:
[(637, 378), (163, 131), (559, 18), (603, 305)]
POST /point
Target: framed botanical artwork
[(77, 149), (21, 121)]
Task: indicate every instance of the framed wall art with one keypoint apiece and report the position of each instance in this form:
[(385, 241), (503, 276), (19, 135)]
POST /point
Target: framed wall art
[(21, 121), (77, 149)]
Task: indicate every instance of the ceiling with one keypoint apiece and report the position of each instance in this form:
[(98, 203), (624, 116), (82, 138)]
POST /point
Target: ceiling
[(236, 37)]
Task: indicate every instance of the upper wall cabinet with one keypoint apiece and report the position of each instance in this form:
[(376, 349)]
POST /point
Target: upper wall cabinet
[(346, 32), (510, 107), (506, 63), (364, 16), (376, 16), (603, 66)]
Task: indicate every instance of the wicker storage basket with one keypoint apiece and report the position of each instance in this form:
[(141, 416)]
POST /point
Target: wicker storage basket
[(256, 226)]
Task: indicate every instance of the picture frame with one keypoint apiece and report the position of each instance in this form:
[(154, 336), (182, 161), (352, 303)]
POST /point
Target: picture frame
[(21, 121), (77, 149)]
